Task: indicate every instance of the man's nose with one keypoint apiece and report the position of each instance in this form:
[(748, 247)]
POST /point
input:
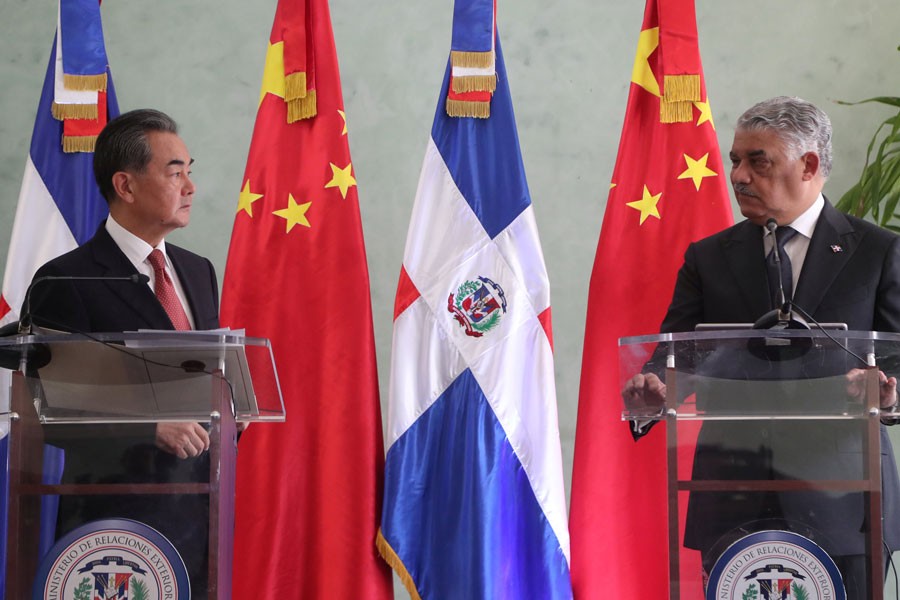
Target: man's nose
[(740, 174)]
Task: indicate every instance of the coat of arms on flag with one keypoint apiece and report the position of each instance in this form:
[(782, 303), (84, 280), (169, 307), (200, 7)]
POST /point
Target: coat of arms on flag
[(478, 305)]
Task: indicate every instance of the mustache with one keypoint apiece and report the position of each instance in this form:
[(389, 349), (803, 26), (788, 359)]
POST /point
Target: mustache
[(744, 190)]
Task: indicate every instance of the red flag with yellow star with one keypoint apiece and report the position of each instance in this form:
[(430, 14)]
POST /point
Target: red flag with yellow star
[(308, 490), (668, 189)]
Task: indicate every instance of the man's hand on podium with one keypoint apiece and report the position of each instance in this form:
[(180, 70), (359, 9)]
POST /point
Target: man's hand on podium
[(644, 391), (183, 439), (887, 387), (887, 393)]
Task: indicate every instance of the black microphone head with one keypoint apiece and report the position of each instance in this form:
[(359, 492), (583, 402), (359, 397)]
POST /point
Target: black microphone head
[(140, 278), (771, 224)]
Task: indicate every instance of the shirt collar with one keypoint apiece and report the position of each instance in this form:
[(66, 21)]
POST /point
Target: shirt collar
[(134, 248), (805, 224)]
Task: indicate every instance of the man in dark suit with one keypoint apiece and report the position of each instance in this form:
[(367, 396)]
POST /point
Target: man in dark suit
[(143, 170), (843, 270)]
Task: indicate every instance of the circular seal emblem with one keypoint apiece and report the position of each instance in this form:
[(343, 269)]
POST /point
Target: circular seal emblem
[(112, 559), (775, 564), (477, 306)]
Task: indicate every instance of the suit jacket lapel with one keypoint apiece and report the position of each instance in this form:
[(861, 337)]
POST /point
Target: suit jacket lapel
[(138, 297), (191, 285), (743, 252), (823, 264)]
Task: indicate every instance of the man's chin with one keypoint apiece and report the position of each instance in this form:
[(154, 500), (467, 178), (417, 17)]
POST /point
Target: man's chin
[(755, 216)]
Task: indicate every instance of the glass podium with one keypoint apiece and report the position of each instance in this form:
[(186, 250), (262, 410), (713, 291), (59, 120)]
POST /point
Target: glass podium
[(781, 479), (95, 506)]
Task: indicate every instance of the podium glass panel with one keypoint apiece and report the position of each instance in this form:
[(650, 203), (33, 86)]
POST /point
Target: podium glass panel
[(122, 456), (774, 442)]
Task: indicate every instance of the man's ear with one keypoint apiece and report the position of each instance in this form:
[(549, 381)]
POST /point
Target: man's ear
[(122, 183), (810, 165)]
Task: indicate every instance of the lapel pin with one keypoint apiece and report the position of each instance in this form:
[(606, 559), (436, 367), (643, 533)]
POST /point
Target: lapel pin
[(835, 248)]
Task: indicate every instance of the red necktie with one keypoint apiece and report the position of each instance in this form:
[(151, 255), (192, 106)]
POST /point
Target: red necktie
[(165, 292)]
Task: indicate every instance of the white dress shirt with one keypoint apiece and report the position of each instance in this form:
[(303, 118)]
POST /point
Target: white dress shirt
[(137, 251), (798, 245)]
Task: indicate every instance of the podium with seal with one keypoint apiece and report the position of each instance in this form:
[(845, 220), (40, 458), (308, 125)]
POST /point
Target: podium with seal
[(95, 507), (781, 478)]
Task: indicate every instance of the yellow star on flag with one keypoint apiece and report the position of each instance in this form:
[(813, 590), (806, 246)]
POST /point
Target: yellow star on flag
[(647, 205), (642, 74), (273, 73), (341, 178), (705, 114), (246, 199), (294, 214), (697, 170), (344, 117)]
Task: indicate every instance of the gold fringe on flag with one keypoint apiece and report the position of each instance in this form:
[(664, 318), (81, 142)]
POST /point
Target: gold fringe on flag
[(391, 558), (83, 143), (682, 88), (474, 60), (475, 83), (679, 94), (74, 111), (462, 108), (295, 86), (302, 108), (85, 83), (675, 112)]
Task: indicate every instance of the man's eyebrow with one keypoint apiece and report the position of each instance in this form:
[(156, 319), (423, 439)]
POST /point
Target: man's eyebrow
[(755, 153), (179, 162)]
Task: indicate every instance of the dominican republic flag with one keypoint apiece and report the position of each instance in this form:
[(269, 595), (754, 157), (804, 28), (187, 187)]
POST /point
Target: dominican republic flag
[(474, 503), (60, 207)]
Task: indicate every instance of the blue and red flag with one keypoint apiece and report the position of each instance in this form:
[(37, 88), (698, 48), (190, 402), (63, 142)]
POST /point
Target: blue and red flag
[(60, 206), (474, 502)]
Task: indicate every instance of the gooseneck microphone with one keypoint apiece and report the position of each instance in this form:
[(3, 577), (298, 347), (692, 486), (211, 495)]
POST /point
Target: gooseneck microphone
[(25, 320), (772, 227), (782, 317)]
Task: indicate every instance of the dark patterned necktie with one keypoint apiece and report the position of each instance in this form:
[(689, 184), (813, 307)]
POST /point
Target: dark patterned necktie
[(165, 292), (782, 236)]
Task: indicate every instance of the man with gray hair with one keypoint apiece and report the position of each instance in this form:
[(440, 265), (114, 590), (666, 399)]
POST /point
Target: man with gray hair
[(835, 268)]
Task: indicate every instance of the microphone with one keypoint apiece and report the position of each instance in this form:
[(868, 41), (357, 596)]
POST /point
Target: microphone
[(25, 320), (772, 226), (782, 317)]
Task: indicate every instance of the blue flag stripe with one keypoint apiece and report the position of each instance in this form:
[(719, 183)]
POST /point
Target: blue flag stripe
[(473, 528), (69, 177), (483, 156), (473, 24), (84, 52)]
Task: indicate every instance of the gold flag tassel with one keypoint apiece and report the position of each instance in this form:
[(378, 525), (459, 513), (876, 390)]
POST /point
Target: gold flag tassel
[(681, 91), (463, 108), (85, 83), (302, 108), (391, 558), (295, 86), (472, 60), (81, 143), (475, 83), (74, 111)]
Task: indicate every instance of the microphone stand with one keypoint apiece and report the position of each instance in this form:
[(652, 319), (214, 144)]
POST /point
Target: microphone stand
[(783, 316), (25, 322)]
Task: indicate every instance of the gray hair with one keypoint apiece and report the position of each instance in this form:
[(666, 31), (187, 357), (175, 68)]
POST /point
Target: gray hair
[(799, 124), (123, 145)]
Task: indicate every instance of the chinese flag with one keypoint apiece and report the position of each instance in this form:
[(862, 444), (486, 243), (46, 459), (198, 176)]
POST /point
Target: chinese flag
[(668, 189), (308, 490)]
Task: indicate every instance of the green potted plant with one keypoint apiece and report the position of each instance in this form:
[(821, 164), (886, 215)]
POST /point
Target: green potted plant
[(877, 192)]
